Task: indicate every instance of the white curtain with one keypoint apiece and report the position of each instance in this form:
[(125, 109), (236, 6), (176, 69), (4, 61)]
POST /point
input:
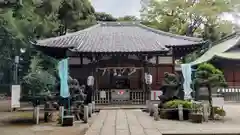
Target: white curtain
[(187, 75)]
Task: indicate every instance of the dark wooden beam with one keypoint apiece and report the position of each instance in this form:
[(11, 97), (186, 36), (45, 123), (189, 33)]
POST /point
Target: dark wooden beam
[(54, 52)]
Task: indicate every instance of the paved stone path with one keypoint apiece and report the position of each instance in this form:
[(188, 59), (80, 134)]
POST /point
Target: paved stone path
[(123, 122), (136, 122)]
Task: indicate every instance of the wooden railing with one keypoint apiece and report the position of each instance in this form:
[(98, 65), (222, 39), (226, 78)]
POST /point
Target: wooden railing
[(137, 97), (230, 94), (99, 100)]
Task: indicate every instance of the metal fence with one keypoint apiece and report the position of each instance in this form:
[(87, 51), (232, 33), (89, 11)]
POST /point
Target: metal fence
[(137, 97)]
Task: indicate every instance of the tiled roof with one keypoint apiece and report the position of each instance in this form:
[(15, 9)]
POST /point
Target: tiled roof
[(220, 49), (119, 37)]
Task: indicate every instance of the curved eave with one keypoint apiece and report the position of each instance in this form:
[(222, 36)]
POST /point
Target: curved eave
[(68, 44), (117, 52), (55, 52), (229, 56), (197, 44), (217, 50)]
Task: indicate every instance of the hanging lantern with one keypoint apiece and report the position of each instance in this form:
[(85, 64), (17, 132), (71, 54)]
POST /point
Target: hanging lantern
[(90, 81), (148, 78)]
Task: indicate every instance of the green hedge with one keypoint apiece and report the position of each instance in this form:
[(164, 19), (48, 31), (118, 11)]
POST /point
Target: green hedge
[(174, 104), (5, 88)]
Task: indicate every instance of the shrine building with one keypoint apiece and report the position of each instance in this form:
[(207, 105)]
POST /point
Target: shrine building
[(118, 54)]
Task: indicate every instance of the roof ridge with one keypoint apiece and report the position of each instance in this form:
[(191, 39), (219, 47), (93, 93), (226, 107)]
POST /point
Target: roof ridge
[(170, 34), (227, 37), (119, 23), (68, 34), (138, 23)]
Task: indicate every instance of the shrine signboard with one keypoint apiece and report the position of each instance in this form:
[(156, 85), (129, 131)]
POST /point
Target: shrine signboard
[(120, 95)]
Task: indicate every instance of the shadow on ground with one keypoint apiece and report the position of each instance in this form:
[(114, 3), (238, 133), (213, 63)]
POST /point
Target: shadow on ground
[(18, 122), (18, 119)]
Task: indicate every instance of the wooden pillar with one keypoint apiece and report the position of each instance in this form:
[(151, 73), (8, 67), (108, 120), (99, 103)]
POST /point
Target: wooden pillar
[(90, 95), (234, 78), (81, 59), (147, 88), (95, 80), (173, 59), (157, 67)]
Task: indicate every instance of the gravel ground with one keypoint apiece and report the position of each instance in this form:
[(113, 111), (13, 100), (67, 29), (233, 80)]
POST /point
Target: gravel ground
[(21, 123)]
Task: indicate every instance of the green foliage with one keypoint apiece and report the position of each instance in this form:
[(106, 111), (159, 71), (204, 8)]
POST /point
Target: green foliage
[(37, 82), (174, 104), (186, 17), (37, 19), (127, 18), (194, 55), (197, 108), (219, 111), (101, 16), (209, 68), (207, 72), (76, 15), (41, 75), (5, 89), (191, 57)]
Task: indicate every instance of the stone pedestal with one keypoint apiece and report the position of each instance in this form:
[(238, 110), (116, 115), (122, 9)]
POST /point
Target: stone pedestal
[(61, 113), (67, 121), (85, 117), (151, 109), (147, 106), (205, 112), (36, 113), (180, 112), (90, 109), (155, 112), (93, 106)]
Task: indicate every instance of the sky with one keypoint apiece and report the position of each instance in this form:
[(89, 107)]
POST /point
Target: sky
[(118, 8)]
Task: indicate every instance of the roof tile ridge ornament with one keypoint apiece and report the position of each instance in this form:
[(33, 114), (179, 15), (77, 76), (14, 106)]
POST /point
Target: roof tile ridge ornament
[(119, 23), (67, 35), (171, 34)]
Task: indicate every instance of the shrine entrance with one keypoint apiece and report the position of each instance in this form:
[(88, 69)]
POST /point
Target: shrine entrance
[(125, 85)]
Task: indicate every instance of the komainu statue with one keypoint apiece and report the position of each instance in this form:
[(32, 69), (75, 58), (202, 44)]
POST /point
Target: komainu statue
[(77, 97), (74, 105), (171, 88)]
